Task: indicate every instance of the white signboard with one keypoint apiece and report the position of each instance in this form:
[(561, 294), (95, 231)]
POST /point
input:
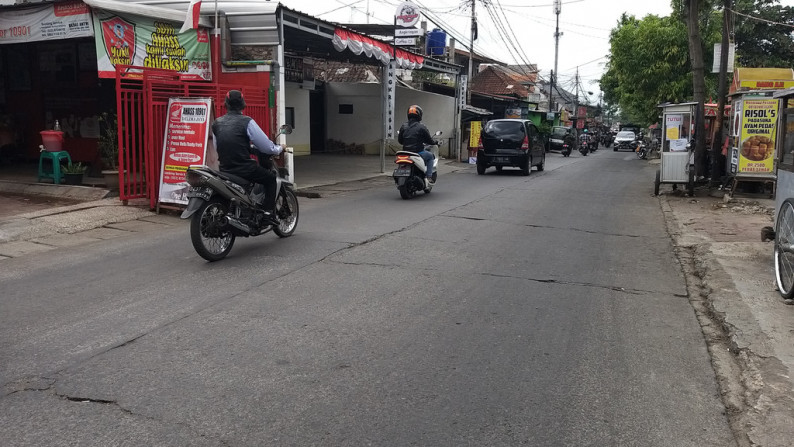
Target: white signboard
[(718, 53), (407, 15), (50, 22), (185, 143), (405, 41), (464, 79), (408, 32)]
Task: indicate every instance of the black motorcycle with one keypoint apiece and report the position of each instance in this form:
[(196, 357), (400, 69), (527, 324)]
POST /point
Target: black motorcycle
[(224, 206), (584, 144)]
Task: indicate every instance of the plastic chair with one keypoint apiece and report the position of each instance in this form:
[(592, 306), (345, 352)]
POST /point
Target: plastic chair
[(55, 157)]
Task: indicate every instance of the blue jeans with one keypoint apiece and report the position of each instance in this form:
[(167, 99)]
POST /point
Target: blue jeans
[(429, 159)]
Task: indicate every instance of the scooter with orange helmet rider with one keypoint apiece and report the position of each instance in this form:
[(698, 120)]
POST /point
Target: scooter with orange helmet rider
[(414, 161)]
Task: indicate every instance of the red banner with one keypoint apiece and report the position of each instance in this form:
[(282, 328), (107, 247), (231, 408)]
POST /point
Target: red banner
[(185, 144)]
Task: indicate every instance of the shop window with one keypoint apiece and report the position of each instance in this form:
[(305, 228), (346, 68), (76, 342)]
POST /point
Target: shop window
[(289, 118), (786, 147), (345, 109)]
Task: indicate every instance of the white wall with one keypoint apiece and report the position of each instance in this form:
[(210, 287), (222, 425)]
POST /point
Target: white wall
[(365, 125), (298, 98)]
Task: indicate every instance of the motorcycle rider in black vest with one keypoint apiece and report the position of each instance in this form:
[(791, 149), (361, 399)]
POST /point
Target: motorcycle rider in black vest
[(233, 134)]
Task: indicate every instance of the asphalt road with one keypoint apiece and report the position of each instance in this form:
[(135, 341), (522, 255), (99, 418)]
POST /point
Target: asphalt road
[(498, 310)]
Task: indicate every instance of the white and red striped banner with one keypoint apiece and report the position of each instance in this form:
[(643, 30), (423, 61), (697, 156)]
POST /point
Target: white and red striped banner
[(358, 44)]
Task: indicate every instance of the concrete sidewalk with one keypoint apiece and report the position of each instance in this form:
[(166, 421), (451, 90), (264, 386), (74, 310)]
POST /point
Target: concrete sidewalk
[(731, 284)]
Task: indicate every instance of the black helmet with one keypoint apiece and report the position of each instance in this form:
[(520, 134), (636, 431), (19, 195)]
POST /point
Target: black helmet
[(415, 111), (234, 100)]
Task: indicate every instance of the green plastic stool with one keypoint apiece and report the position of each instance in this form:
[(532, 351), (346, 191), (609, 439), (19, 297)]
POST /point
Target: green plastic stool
[(55, 157)]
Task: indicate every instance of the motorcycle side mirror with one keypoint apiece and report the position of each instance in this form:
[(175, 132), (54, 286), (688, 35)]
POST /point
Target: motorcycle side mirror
[(438, 133), (285, 129)]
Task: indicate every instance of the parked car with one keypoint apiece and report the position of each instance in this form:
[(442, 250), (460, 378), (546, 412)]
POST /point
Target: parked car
[(558, 136), (625, 140), (510, 142)]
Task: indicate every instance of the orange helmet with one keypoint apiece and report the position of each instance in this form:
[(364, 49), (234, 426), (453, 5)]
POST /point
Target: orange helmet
[(415, 111)]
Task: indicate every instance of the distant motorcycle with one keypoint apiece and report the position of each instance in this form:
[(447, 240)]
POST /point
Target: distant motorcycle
[(641, 150), (566, 149), (583, 145), (409, 176)]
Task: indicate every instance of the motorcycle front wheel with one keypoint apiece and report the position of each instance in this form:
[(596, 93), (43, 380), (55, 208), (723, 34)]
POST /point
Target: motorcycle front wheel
[(287, 213), (784, 250), (210, 237)]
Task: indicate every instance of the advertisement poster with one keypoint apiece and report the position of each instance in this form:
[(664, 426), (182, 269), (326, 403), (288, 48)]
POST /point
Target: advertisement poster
[(673, 125), (757, 140), (53, 21), (185, 143), (144, 42), (474, 140)]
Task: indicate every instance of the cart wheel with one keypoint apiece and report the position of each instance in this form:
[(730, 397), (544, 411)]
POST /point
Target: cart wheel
[(657, 182), (784, 250)]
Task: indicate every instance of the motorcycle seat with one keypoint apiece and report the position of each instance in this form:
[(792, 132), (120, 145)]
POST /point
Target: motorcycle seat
[(234, 178)]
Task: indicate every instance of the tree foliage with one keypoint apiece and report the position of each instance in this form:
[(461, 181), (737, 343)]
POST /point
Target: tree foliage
[(760, 43), (649, 63)]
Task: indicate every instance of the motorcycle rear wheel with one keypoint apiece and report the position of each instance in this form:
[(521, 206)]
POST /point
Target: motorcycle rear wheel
[(211, 240), (286, 213)]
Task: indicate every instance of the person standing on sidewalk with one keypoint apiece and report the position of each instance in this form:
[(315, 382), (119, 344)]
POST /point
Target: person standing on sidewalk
[(234, 134)]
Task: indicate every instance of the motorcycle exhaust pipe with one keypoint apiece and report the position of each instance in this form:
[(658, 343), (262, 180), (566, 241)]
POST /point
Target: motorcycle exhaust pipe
[(244, 229)]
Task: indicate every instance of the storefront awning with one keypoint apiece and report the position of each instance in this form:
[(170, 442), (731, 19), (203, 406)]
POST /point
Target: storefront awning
[(154, 12)]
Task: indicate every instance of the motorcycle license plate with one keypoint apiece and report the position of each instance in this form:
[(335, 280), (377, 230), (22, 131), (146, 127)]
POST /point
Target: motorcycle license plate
[(199, 191), (402, 171)]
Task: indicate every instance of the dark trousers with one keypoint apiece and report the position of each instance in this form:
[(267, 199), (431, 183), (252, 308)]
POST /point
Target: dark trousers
[(263, 176)]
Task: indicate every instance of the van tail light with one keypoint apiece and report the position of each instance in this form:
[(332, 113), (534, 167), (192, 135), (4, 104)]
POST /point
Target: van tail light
[(479, 143), (525, 144)]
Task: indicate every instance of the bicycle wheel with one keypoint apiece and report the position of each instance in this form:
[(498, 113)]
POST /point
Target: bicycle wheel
[(784, 250)]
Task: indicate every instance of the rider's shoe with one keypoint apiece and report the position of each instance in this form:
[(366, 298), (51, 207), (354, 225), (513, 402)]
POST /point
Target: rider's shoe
[(270, 218)]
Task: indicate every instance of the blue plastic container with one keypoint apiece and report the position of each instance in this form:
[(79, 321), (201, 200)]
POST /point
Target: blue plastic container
[(436, 42)]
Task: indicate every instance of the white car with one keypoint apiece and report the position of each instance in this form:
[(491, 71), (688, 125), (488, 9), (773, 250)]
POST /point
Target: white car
[(624, 140)]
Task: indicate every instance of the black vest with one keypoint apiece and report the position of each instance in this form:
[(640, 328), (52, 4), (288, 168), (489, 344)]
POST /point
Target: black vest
[(233, 144)]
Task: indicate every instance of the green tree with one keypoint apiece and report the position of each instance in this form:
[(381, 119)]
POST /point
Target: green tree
[(649, 64), (761, 43)]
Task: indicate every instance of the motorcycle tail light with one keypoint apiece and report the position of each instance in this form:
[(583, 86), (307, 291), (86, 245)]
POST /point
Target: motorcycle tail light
[(403, 159), (525, 144), (194, 179)]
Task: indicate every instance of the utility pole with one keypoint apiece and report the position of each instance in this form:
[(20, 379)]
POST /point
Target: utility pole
[(557, 9), (471, 51), (576, 101), (716, 145)]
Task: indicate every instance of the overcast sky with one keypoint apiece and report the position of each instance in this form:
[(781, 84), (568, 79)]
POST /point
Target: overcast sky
[(585, 25)]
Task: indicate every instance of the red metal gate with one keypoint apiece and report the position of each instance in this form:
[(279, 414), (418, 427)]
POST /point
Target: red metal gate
[(142, 96)]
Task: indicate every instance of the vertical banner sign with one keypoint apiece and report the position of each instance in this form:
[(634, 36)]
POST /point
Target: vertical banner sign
[(464, 87), (390, 86), (474, 141), (134, 40), (757, 141), (185, 144)]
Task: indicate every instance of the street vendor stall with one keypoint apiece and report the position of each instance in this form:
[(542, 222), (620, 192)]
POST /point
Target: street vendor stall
[(752, 138), (678, 126), (784, 200)]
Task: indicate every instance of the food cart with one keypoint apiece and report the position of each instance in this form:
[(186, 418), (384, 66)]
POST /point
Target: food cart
[(677, 157), (752, 137), (784, 199)]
